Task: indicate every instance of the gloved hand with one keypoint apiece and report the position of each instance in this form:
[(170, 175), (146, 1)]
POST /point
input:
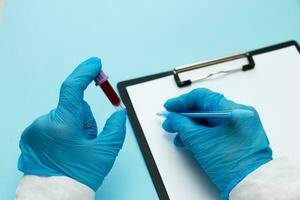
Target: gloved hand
[(65, 142), (227, 150)]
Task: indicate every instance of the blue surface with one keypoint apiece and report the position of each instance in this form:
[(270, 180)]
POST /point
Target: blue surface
[(42, 41)]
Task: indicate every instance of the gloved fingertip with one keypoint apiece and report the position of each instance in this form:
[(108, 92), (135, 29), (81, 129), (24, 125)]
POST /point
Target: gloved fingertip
[(122, 114), (92, 65), (167, 126), (93, 60), (168, 103), (115, 128), (170, 122), (117, 120), (172, 105), (178, 142)]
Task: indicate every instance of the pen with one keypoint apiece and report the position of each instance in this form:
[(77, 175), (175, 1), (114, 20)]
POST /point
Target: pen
[(213, 114)]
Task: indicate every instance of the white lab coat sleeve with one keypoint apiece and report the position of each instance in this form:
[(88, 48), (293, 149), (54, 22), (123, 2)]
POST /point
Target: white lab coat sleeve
[(52, 188), (276, 180)]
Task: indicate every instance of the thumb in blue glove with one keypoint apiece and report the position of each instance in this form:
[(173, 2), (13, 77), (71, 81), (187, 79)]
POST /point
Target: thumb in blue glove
[(227, 150), (65, 141)]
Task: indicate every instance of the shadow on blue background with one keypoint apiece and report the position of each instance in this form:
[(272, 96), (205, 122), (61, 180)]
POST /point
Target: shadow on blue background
[(42, 41)]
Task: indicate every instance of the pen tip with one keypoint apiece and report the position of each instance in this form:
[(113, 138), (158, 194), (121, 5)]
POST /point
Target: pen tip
[(162, 114)]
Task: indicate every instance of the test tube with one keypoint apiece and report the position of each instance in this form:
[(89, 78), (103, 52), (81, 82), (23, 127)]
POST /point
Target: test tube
[(102, 81)]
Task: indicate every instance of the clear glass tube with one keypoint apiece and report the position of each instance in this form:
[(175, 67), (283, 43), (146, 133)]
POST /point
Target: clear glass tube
[(120, 107)]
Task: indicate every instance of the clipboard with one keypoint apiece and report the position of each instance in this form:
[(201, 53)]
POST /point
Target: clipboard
[(266, 78)]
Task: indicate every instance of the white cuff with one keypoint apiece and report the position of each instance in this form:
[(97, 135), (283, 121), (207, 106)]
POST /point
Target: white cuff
[(278, 179), (53, 187)]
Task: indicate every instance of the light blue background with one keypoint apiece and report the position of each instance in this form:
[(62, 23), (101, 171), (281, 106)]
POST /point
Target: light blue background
[(42, 41)]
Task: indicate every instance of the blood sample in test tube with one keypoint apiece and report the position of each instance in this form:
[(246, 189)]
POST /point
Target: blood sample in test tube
[(102, 81)]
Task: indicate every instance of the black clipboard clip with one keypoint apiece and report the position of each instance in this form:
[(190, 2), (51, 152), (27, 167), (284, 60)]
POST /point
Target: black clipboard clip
[(185, 68)]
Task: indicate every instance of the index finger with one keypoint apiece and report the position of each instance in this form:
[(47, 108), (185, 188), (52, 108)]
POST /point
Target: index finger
[(200, 99), (72, 89)]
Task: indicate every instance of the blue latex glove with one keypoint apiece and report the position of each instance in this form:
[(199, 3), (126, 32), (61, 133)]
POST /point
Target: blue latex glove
[(65, 142), (227, 150)]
